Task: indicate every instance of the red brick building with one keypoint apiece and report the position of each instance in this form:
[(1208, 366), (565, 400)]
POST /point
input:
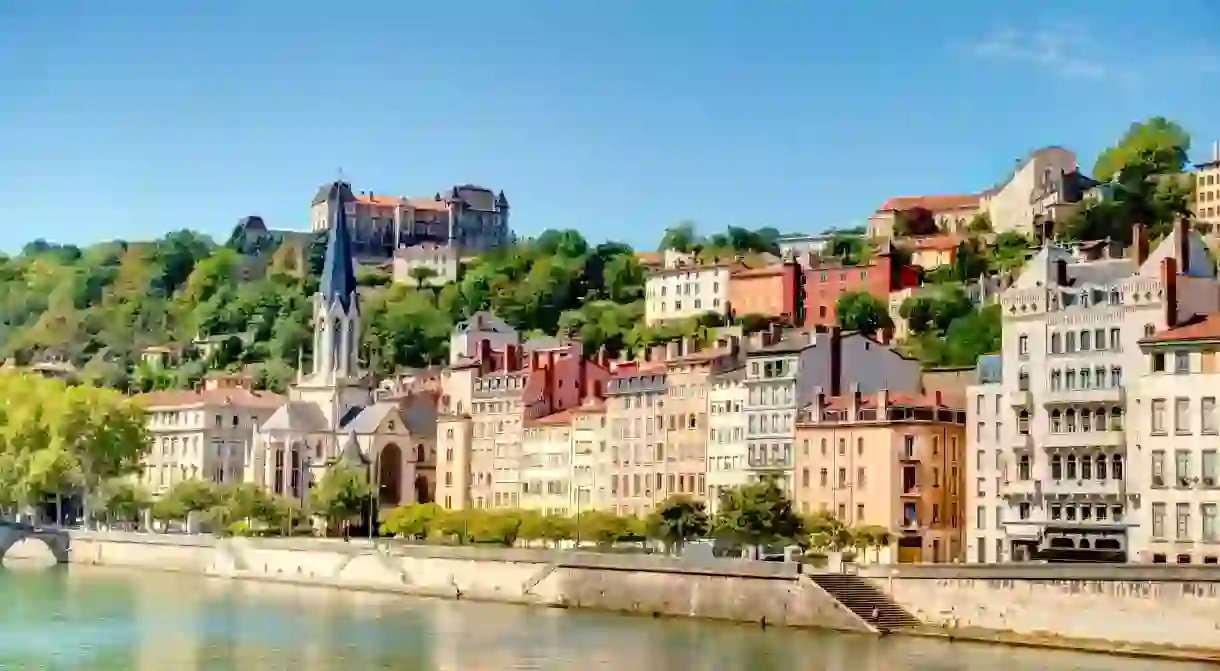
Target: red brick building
[(825, 284), (773, 291)]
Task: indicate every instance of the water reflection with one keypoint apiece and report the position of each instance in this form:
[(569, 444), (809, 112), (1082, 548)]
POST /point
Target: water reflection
[(103, 620)]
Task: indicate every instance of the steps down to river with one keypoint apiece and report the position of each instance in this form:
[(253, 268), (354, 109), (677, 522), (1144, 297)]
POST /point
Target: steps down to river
[(861, 597)]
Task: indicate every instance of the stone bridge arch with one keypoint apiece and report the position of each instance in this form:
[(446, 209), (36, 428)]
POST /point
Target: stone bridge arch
[(56, 540)]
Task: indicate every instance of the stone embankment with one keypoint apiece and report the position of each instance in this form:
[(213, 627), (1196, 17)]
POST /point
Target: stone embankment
[(736, 590), (1157, 611)]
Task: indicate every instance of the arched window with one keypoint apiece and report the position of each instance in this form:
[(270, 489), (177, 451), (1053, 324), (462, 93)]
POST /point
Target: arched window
[(1023, 379), (1023, 423), (1116, 419), (1023, 467), (1115, 297), (1071, 467), (1056, 467), (1086, 468), (1116, 467), (1099, 420), (1056, 422), (1086, 420), (1101, 467), (1069, 421), (1055, 343)]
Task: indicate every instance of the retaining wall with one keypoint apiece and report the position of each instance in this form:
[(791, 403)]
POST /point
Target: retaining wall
[(736, 590)]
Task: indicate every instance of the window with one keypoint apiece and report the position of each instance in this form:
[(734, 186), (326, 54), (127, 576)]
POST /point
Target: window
[(1086, 341), (1069, 342), (1115, 343), (1158, 415), (1208, 512), (1208, 468), (1181, 363), (1182, 517), (1023, 467), (1158, 468), (1181, 466), (1056, 467), (1056, 345), (980, 518), (1023, 510), (1207, 409), (1099, 339), (1116, 472), (1158, 520), (1181, 416), (1158, 362), (1023, 345), (978, 404)]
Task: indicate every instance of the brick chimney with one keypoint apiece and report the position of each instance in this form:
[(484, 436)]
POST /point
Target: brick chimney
[(485, 362), (1139, 238), (883, 403), (582, 379), (603, 357), (658, 353), (853, 403), (512, 358), (1061, 272), (1169, 280), (819, 405), (1183, 250), (836, 360), (673, 349), (548, 384), (534, 362)]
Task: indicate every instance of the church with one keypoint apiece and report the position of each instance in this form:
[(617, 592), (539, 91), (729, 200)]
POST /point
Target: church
[(332, 415)]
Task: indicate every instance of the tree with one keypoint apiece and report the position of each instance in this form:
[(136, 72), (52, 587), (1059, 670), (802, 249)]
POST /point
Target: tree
[(757, 514), (979, 223), (422, 275), (120, 500), (184, 498), (935, 311), (677, 520), (413, 521), (914, 222), (859, 311), (1155, 136), (681, 238), (601, 527), (342, 495)]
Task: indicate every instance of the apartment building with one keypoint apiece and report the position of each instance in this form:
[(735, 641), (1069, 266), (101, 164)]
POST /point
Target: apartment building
[(591, 464), (726, 441), (891, 460), (427, 264), (825, 284), (546, 463), (1207, 193), (204, 434), (1070, 349), (684, 287), (951, 213), (635, 413), (783, 371), (453, 470), (469, 333), (1177, 426), (932, 251), (776, 290), (497, 408), (983, 519)]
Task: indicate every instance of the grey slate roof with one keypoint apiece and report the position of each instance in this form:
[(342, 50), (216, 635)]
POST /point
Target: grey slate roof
[(366, 420), (338, 275), (351, 454), (297, 416)]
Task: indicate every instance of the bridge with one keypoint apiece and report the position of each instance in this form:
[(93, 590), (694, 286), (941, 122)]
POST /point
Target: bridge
[(12, 533)]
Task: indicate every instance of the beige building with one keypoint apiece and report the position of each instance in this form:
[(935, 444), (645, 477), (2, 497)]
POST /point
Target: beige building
[(1207, 193), (683, 287), (591, 464), (726, 440), (951, 213), (546, 464), (1178, 427), (635, 407), (891, 460), (436, 264), (204, 434), (1042, 185), (453, 472)]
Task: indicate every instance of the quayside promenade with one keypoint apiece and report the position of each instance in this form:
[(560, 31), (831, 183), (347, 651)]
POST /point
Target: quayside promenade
[(1164, 611)]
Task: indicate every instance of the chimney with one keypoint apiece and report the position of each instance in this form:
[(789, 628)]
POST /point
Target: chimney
[(548, 384), (777, 332), (582, 379), (836, 360), (512, 359), (485, 362), (883, 403), (534, 359), (658, 353), (1183, 250), (673, 349), (938, 398), (1169, 280), (853, 403), (1139, 238), (1061, 272), (819, 405)]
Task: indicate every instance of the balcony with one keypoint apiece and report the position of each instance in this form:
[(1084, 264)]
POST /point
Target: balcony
[(1021, 441), (1084, 439), (1021, 399), (1110, 395), (912, 492), (908, 456), (1026, 490), (769, 463), (1076, 489)]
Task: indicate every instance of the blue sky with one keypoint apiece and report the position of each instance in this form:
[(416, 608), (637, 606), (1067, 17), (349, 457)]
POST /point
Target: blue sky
[(126, 119)]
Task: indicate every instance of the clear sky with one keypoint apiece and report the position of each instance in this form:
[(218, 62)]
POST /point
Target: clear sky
[(128, 118)]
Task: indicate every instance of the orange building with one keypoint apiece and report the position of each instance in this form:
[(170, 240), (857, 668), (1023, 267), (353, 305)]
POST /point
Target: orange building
[(892, 460), (773, 291)]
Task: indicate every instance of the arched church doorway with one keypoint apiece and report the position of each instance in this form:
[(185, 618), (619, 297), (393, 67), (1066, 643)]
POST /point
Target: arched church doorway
[(389, 475), (423, 492)]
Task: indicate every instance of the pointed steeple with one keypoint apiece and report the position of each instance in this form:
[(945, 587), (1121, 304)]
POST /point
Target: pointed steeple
[(338, 276)]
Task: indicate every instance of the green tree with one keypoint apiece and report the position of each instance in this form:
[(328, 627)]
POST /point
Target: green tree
[(603, 528), (120, 501), (682, 238), (413, 521), (342, 495), (979, 223), (859, 311), (1157, 136), (677, 520), (184, 498), (757, 514)]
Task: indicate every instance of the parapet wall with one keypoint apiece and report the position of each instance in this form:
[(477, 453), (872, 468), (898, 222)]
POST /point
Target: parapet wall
[(1136, 609), (736, 590)]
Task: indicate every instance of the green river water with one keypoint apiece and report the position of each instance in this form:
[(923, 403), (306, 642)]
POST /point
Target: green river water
[(109, 620)]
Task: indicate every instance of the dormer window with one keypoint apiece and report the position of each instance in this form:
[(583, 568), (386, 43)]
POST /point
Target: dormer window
[(1115, 297), (1084, 299)]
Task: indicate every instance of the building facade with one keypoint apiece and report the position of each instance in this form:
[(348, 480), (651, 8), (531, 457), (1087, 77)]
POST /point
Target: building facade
[(426, 263), (951, 213), (1207, 193), (727, 450), (684, 287), (1069, 479), (890, 460), (825, 284), (772, 291), (472, 219), (1039, 190)]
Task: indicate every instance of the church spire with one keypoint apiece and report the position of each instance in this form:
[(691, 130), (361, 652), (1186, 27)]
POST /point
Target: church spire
[(338, 277)]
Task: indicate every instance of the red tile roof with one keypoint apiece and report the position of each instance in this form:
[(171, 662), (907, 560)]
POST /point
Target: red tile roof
[(930, 203), (560, 418), (933, 242), (1199, 327), (895, 398)]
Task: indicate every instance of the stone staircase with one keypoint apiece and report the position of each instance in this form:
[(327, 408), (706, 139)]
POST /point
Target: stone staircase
[(861, 597)]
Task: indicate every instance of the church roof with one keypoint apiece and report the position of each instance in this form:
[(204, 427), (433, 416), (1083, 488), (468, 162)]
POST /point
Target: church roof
[(338, 275), (351, 454), (367, 419), (297, 416)]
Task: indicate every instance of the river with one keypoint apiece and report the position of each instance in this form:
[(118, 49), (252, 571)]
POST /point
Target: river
[(111, 620)]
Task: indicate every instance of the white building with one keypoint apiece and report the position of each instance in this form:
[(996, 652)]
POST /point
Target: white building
[(726, 440), (467, 335), (546, 464), (685, 288), (1176, 431), (984, 513), (1042, 184), (434, 264), (1071, 478)]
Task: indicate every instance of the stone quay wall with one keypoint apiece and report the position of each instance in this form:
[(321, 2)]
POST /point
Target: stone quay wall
[(723, 589), (1164, 611)]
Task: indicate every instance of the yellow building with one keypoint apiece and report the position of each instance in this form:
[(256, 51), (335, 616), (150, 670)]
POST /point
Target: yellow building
[(890, 460)]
